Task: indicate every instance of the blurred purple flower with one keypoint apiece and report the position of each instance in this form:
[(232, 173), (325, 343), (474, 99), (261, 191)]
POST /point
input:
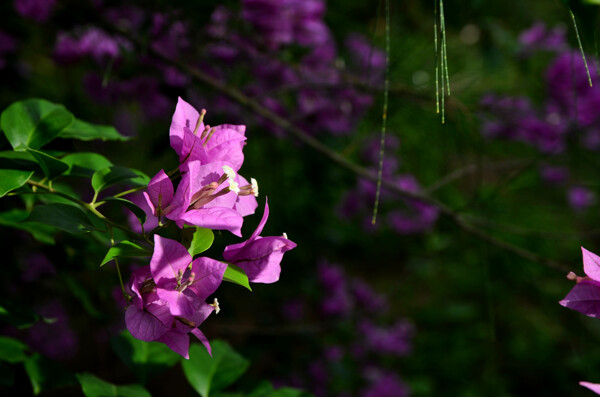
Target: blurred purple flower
[(555, 175), (368, 60), (367, 298), (36, 266), (8, 44), (37, 10), (394, 340), (580, 198), (385, 384), (287, 21), (53, 337), (539, 38)]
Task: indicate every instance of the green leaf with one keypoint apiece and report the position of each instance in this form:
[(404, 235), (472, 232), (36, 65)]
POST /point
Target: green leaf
[(33, 123), (202, 239), (51, 166), (96, 387), (42, 233), (45, 374), (62, 216), (145, 359), (13, 179), (209, 374), (12, 350), (85, 164), (86, 132), (137, 211), (235, 274), (125, 249), (11, 160), (109, 176)]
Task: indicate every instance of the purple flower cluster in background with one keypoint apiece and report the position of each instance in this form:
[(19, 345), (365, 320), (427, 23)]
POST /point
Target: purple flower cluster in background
[(358, 348), (36, 10), (568, 113), (287, 21), (317, 87), (414, 217)]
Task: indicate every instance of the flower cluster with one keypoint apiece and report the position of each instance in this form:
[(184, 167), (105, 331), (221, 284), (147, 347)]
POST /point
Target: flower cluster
[(169, 295)]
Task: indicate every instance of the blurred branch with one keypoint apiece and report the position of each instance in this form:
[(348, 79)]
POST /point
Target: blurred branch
[(297, 132), (472, 169)]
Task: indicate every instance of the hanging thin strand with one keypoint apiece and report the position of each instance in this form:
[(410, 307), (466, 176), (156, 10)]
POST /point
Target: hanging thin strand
[(581, 47), (384, 113), (435, 47), (444, 48)]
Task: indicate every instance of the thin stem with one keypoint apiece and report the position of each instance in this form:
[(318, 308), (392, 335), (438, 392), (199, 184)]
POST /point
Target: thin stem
[(384, 112)]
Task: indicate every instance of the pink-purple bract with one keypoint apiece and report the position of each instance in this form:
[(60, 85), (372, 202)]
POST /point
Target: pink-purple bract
[(584, 297), (169, 296), (260, 257)]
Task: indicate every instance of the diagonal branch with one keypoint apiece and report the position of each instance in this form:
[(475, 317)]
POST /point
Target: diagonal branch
[(297, 132)]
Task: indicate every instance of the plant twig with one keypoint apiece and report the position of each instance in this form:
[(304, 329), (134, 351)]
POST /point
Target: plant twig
[(298, 133)]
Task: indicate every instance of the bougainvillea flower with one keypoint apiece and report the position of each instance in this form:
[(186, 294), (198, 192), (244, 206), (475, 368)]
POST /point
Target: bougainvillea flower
[(193, 140), (160, 193), (184, 284), (584, 297), (595, 387), (206, 196), (168, 296), (260, 257)]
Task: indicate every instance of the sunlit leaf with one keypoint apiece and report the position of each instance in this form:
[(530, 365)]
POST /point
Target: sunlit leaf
[(209, 374), (33, 123), (85, 164), (235, 274), (125, 249), (202, 239), (86, 132), (13, 179)]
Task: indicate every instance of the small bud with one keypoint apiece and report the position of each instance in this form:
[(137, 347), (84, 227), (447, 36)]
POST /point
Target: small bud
[(571, 276)]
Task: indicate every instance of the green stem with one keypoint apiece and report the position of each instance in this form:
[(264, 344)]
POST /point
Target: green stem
[(384, 112)]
